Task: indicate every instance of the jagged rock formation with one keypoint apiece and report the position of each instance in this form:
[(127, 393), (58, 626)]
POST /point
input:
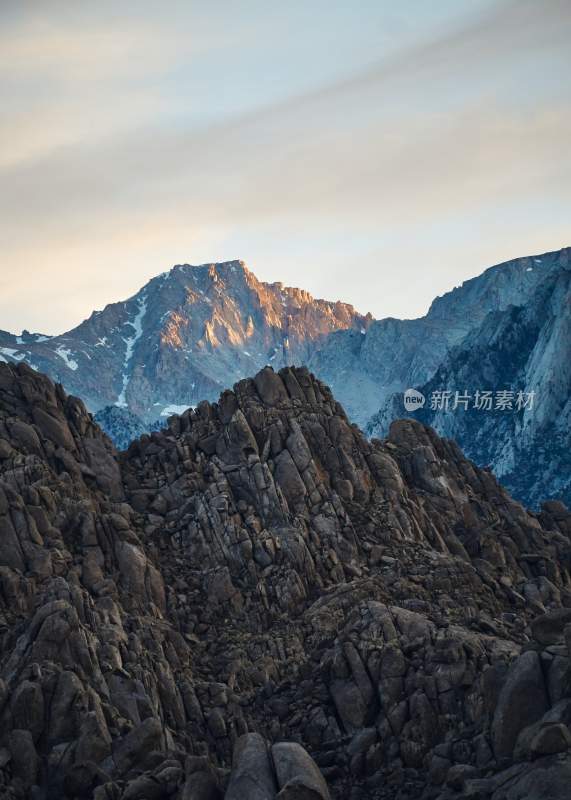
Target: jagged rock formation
[(194, 330), (524, 348), (259, 572), (184, 337)]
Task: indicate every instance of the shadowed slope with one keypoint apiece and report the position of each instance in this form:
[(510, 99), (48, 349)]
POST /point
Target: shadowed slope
[(261, 566)]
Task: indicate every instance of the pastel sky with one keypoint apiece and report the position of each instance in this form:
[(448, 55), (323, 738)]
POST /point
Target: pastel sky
[(369, 151)]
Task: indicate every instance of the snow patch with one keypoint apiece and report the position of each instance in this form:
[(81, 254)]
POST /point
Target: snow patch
[(64, 354), (529, 269), (101, 342), (168, 411), (15, 354), (131, 341), (537, 260)]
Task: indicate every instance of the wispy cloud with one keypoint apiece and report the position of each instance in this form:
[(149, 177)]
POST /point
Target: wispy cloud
[(468, 124)]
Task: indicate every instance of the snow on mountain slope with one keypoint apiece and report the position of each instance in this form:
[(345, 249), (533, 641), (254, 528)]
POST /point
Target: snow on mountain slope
[(182, 338), (393, 355), (194, 330), (523, 348)]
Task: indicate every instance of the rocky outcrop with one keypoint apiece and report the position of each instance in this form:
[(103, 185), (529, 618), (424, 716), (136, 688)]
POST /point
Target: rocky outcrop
[(258, 601), (192, 331)]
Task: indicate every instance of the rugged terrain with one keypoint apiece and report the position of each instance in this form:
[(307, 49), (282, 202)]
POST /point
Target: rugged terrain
[(393, 355), (527, 348), (191, 332), (259, 585), (184, 337)]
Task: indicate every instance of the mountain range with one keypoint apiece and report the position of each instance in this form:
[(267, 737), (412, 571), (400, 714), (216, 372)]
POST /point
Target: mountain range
[(191, 332), (184, 337), (259, 602), (524, 352)]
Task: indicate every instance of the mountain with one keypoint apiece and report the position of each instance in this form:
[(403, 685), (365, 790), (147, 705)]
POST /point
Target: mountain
[(194, 330), (185, 336), (122, 426), (393, 355), (259, 602), (525, 349)]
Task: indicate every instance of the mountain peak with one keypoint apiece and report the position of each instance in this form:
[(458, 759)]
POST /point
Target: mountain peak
[(214, 267), (395, 354), (183, 337)]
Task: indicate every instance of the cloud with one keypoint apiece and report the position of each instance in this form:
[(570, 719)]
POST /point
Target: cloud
[(471, 123)]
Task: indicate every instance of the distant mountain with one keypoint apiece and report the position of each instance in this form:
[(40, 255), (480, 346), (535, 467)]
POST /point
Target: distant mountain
[(123, 427), (525, 348), (364, 370), (185, 336), (192, 331)]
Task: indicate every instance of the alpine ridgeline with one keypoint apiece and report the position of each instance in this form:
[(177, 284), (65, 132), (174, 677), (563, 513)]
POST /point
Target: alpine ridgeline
[(523, 348), (190, 332), (184, 337), (258, 602)]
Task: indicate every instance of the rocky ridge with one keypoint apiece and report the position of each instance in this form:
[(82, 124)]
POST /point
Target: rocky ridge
[(393, 355), (184, 337), (523, 348), (259, 602), (192, 331)]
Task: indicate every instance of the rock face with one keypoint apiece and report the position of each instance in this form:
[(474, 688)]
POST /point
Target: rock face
[(191, 332), (184, 337), (524, 348), (392, 355), (259, 602)]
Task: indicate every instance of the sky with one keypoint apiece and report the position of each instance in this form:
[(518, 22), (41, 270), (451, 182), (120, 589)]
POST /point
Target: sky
[(374, 152)]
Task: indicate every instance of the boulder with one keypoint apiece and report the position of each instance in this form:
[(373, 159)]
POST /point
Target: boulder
[(289, 479), (549, 628), (201, 785), (523, 700), (349, 704), (550, 739), (252, 774), (270, 387), (25, 759), (297, 774), (550, 780), (138, 744)]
